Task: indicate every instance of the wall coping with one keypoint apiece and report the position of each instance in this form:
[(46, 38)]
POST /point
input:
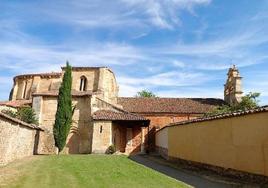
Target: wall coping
[(56, 93), (32, 126), (42, 75), (219, 116)]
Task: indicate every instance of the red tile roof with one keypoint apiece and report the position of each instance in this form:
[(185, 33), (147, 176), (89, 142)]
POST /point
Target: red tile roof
[(16, 103), (113, 116), (169, 105), (220, 116)]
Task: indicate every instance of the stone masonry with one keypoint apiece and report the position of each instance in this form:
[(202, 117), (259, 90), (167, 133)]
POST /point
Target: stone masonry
[(17, 139)]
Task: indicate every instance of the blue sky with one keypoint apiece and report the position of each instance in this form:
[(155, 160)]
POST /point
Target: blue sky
[(175, 48)]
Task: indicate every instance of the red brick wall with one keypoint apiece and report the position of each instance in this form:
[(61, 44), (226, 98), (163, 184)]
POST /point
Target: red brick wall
[(120, 139), (158, 121), (136, 140)]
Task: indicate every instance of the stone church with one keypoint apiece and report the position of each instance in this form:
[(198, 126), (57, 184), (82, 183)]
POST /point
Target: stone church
[(101, 117)]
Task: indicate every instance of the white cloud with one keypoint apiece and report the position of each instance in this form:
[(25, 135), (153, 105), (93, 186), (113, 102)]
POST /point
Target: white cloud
[(193, 92), (50, 58), (118, 13), (167, 79), (178, 63), (164, 14)]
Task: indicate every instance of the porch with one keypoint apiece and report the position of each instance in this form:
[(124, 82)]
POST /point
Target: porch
[(125, 131), (129, 136)]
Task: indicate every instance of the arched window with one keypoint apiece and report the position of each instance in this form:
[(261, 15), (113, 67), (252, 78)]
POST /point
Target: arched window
[(83, 83)]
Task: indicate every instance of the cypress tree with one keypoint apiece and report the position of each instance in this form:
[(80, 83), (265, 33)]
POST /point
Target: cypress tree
[(63, 119)]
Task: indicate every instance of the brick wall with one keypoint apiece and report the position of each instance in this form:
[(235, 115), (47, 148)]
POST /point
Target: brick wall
[(158, 121), (136, 140)]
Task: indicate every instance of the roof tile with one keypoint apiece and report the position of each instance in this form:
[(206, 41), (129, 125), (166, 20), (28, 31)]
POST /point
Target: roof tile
[(169, 105), (112, 115), (16, 103)]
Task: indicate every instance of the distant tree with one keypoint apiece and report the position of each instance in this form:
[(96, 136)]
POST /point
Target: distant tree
[(64, 112), (145, 93), (249, 101)]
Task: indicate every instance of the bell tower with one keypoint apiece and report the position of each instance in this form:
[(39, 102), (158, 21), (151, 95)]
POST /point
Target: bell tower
[(233, 87)]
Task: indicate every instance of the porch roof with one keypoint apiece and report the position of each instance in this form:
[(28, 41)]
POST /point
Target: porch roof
[(117, 116)]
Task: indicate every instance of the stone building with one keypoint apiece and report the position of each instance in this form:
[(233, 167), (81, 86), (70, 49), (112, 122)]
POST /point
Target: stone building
[(101, 118)]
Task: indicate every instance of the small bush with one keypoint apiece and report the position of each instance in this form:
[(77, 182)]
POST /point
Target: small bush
[(110, 149), (10, 113), (27, 115)]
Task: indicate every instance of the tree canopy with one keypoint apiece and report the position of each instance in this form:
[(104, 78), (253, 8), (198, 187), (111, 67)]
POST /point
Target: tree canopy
[(145, 93), (248, 102)]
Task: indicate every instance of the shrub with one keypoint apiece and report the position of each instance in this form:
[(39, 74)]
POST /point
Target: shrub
[(27, 115), (10, 113), (249, 101), (110, 149)]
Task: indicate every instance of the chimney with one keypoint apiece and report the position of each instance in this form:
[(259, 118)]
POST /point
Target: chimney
[(233, 87)]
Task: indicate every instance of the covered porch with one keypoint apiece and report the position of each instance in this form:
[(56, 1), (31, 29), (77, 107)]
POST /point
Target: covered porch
[(130, 136), (127, 132)]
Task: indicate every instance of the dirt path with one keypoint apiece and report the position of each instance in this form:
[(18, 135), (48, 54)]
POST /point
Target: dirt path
[(187, 177)]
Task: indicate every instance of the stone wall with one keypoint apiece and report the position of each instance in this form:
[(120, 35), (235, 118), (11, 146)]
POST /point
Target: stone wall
[(102, 136), (25, 86), (80, 137), (98, 79), (17, 139)]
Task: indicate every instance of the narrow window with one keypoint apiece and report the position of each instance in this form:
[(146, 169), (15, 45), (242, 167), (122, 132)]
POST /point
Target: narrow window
[(101, 129), (24, 90), (83, 83)]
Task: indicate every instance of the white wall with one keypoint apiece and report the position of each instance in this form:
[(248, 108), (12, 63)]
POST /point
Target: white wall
[(161, 138)]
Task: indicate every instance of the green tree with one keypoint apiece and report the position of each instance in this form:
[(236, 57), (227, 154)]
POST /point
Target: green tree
[(145, 93), (64, 112), (249, 101), (27, 115)]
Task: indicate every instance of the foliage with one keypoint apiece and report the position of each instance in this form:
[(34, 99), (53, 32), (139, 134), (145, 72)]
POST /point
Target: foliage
[(248, 102), (25, 114), (63, 119), (10, 113), (110, 150), (145, 93)]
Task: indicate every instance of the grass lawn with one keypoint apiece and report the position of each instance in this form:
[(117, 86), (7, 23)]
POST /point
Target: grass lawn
[(82, 171)]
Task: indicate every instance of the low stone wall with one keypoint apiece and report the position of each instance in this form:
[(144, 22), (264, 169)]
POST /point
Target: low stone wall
[(17, 139)]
